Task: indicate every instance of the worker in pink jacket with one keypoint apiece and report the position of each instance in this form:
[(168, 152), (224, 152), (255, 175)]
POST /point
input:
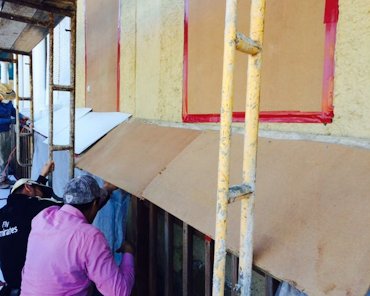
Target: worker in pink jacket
[(65, 253)]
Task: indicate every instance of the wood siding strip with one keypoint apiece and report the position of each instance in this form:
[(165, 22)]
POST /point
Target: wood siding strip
[(271, 285), (152, 249), (168, 245), (187, 256), (208, 262), (234, 275)]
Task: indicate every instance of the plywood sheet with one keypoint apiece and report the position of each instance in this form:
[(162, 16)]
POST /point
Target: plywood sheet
[(293, 55), (101, 54), (312, 208), (134, 153)]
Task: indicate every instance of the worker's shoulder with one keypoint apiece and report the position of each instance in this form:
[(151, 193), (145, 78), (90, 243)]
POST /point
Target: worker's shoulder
[(5, 211), (6, 107), (87, 235), (89, 230)]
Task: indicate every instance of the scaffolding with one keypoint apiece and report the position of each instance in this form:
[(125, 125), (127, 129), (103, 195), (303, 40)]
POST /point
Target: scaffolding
[(38, 18), (245, 192)]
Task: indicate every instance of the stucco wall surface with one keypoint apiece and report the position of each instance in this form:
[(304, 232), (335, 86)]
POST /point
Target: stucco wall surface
[(152, 40), (151, 58), (352, 76)]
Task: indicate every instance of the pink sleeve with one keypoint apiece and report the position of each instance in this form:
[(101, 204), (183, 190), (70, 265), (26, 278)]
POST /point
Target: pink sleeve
[(103, 271)]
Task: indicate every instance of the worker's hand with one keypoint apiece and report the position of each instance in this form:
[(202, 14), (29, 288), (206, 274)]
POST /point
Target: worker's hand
[(109, 187), (126, 247), (48, 168), (24, 121)]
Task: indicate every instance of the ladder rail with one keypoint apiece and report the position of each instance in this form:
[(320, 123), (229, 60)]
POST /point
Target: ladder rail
[(257, 15), (32, 106), (72, 103), (252, 46), (68, 88), (223, 178), (51, 94), (18, 132)]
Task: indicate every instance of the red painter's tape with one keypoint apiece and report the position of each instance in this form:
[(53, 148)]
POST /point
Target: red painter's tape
[(273, 117), (186, 62), (207, 238), (331, 11), (85, 24), (118, 85), (329, 67)]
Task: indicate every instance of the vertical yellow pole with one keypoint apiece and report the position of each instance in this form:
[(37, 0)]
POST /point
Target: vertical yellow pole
[(72, 112), (224, 152), (51, 92), (17, 123), (32, 108), (250, 147)]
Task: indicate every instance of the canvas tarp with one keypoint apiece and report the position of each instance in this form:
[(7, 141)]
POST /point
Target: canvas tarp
[(134, 153)]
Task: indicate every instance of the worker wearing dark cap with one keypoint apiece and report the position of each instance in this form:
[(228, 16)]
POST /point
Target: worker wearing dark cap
[(66, 254), (26, 200)]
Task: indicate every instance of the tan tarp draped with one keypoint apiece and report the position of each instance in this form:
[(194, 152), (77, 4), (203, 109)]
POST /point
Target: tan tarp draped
[(134, 153), (312, 208)]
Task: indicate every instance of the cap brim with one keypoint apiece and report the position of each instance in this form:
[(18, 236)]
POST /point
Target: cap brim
[(48, 192)]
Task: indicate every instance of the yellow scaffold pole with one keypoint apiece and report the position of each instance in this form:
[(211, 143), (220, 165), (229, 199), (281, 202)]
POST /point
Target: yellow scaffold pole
[(224, 150), (245, 191), (257, 16)]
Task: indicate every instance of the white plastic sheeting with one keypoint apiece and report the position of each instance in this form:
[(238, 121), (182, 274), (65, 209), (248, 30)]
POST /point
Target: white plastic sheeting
[(61, 121), (287, 290), (90, 128), (4, 193)]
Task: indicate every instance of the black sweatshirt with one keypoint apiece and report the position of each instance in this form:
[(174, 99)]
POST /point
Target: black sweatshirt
[(15, 227)]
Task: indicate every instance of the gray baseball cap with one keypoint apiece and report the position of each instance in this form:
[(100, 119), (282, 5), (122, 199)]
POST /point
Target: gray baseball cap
[(82, 190)]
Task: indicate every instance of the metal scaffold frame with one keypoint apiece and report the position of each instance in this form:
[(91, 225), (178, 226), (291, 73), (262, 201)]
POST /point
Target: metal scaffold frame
[(29, 131), (246, 191), (68, 88), (61, 9)]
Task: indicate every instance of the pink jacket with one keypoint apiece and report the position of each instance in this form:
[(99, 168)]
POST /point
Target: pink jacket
[(65, 253)]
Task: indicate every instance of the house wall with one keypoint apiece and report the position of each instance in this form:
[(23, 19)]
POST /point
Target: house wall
[(152, 40), (152, 58), (352, 75), (152, 72)]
